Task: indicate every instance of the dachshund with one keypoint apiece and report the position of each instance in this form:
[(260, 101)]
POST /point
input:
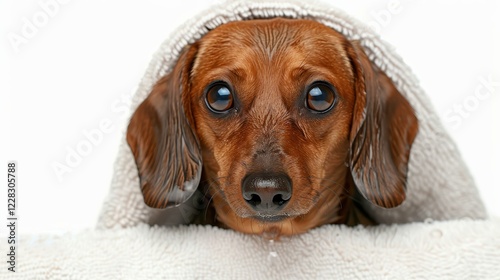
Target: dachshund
[(283, 125)]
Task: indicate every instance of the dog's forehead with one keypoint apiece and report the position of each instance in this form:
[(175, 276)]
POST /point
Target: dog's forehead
[(270, 42)]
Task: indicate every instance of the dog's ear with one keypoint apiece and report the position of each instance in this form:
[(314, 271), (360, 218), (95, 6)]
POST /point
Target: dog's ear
[(383, 129), (164, 145)]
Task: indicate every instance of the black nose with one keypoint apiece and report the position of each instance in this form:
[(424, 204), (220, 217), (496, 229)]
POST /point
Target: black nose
[(267, 192)]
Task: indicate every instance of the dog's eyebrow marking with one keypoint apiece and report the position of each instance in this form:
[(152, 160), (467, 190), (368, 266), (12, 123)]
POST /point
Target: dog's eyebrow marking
[(237, 72), (228, 72), (299, 71), (306, 71)]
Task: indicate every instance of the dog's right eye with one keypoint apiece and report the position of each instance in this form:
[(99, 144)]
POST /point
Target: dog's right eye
[(219, 97), (320, 97)]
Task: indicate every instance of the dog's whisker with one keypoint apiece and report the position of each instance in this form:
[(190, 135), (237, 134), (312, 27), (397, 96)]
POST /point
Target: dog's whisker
[(211, 191), (292, 228), (343, 188), (244, 164)]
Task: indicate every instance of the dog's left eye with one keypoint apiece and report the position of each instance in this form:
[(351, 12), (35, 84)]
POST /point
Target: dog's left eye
[(219, 97), (320, 97)]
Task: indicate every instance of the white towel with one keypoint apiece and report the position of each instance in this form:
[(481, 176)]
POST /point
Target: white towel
[(441, 250)]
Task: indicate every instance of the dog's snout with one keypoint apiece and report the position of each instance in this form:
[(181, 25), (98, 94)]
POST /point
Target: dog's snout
[(267, 193)]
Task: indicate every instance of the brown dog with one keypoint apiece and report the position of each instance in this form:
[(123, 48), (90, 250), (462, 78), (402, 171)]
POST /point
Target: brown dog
[(291, 120)]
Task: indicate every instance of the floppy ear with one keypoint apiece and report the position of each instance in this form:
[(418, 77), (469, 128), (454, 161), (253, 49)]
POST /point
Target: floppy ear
[(165, 147), (383, 129)]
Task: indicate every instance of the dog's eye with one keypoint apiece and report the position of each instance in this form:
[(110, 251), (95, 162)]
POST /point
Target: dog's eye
[(320, 97), (219, 98)]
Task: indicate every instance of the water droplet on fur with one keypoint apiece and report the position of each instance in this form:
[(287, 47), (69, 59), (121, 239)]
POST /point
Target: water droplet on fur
[(270, 236), (273, 255)]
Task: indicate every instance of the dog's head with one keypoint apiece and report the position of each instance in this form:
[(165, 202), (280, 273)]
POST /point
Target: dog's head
[(281, 115)]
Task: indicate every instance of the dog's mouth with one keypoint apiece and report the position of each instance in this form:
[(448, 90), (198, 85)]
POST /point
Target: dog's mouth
[(271, 218)]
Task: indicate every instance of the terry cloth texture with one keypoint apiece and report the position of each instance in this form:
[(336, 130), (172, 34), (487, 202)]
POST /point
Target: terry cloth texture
[(440, 186), (463, 249)]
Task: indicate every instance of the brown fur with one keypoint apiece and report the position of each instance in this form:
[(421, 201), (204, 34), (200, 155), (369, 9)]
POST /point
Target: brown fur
[(361, 145)]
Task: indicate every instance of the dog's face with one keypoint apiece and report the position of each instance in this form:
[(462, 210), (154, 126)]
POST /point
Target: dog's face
[(284, 116)]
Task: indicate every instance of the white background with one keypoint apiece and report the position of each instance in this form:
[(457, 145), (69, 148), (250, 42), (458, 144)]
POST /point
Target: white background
[(71, 73)]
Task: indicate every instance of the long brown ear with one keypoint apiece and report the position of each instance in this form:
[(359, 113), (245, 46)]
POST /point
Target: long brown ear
[(165, 147), (383, 129)]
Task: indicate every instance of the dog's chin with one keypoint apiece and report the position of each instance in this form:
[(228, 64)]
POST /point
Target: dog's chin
[(272, 224), (268, 226)]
